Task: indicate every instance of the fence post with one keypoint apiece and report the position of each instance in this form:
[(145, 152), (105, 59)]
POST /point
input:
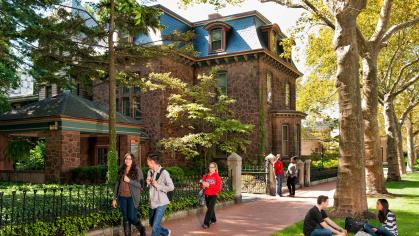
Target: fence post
[(271, 186), (234, 163), (307, 175), (300, 166)]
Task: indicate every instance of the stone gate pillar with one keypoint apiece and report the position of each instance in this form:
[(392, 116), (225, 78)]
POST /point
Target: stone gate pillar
[(300, 166), (234, 163), (307, 169), (271, 185)]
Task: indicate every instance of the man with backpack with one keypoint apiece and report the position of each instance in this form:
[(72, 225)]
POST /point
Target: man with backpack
[(161, 189)]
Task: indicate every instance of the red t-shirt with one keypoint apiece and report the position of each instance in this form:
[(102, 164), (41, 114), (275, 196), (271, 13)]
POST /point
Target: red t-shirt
[(279, 167), (215, 184)]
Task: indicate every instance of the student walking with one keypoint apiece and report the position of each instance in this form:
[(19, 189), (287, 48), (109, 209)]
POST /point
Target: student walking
[(212, 184), (292, 174), (386, 218), (160, 184), (279, 174), (127, 192)]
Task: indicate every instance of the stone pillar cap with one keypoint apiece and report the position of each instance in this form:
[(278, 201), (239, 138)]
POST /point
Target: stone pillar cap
[(234, 156), (270, 157)]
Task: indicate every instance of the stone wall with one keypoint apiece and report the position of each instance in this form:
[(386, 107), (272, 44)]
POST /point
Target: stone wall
[(62, 153), (245, 81), (243, 86), (4, 163)]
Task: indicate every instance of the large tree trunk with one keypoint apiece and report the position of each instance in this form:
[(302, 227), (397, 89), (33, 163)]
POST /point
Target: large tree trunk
[(373, 161), (350, 197), (399, 145), (410, 144), (393, 173)]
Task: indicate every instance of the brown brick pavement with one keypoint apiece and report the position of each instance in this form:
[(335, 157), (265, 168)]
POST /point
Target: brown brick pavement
[(261, 217)]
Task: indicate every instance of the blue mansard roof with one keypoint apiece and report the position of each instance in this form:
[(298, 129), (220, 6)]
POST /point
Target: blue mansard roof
[(245, 32), (244, 35)]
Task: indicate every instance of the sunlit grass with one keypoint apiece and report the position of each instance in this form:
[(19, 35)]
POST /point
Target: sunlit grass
[(403, 200)]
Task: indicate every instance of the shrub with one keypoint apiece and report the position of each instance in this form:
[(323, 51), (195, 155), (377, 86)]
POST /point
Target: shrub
[(88, 175), (35, 160)]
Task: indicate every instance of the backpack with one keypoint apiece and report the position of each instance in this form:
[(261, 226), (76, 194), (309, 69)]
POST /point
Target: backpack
[(170, 193), (354, 225)]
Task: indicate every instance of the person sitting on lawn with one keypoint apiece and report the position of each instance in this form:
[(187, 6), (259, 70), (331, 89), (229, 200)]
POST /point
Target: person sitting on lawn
[(387, 218), (317, 223)]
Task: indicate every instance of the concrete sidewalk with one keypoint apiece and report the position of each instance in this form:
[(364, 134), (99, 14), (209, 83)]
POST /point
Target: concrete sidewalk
[(263, 216)]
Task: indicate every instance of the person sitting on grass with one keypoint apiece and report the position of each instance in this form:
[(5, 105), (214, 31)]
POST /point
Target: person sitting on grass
[(317, 223), (387, 218)]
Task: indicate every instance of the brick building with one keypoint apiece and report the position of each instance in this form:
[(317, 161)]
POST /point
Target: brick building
[(246, 50)]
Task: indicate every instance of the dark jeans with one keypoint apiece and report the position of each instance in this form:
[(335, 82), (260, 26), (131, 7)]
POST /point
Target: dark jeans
[(210, 215), (128, 211), (154, 218), (320, 231), (381, 231), (279, 179), (291, 184)]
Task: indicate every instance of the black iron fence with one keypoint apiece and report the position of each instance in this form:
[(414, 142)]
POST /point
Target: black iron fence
[(254, 179), (23, 206), (323, 173)]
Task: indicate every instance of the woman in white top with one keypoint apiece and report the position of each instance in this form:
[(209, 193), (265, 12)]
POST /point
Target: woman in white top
[(292, 173)]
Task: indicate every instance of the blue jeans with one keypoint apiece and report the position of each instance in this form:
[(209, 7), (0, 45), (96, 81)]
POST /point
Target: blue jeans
[(381, 231), (155, 217), (320, 231), (279, 179), (128, 211)]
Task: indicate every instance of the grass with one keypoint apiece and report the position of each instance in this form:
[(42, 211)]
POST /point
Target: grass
[(403, 200)]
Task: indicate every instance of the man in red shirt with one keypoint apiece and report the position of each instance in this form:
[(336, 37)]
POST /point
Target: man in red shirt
[(279, 173)]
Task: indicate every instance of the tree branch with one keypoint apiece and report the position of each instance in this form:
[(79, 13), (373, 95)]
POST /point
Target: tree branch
[(398, 27), (399, 76), (80, 9), (412, 104), (382, 21), (407, 85)]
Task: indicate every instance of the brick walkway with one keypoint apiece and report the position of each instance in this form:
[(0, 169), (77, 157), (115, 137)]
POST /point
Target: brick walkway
[(262, 217)]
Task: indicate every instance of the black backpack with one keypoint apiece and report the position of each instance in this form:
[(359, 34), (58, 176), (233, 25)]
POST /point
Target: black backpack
[(354, 225), (170, 193)]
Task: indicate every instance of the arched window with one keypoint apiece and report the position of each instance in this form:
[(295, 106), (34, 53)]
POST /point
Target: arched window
[(222, 82), (287, 95), (216, 39), (269, 87), (217, 32)]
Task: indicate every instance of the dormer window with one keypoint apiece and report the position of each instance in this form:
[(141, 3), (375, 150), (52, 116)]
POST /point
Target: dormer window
[(217, 32), (216, 39)]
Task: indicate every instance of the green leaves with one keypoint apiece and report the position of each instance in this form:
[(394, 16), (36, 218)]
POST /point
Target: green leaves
[(205, 119)]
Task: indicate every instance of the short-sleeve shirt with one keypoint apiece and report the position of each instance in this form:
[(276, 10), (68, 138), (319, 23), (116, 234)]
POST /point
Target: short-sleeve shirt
[(313, 219)]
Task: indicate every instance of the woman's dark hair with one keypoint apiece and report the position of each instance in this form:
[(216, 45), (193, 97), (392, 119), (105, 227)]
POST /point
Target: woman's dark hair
[(154, 156), (133, 172), (382, 215)]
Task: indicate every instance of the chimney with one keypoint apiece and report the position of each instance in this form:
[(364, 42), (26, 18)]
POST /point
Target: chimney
[(214, 16)]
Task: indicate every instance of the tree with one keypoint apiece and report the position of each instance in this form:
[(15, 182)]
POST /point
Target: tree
[(81, 44), (369, 50), (16, 17), (411, 132), (397, 80), (202, 113)]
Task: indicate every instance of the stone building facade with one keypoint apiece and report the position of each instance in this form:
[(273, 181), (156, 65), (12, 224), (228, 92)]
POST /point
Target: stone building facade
[(256, 76)]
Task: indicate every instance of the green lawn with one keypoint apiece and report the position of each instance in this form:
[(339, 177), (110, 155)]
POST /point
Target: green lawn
[(403, 200)]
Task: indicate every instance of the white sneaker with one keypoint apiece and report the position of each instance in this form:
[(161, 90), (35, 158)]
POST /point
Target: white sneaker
[(170, 232)]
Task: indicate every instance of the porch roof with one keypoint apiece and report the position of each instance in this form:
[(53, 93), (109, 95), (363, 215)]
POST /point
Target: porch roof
[(67, 112)]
